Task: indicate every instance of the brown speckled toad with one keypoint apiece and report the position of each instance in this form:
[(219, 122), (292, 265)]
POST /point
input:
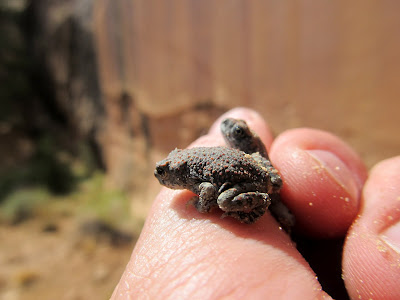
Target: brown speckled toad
[(240, 180)]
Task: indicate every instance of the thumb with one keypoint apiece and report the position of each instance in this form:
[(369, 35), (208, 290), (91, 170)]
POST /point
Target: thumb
[(371, 261)]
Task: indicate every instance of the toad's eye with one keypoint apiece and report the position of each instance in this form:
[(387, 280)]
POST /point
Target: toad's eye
[(160, 171), (238, 131)]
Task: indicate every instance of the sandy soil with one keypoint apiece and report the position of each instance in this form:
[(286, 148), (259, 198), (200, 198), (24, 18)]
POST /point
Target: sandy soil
[(57, 261)]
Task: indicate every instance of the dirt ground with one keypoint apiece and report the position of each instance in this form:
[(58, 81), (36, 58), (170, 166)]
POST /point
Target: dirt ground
[(56, 261)]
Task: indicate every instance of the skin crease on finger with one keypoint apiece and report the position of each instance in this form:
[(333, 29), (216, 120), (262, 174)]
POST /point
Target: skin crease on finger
[(371, 262), (182, 252)]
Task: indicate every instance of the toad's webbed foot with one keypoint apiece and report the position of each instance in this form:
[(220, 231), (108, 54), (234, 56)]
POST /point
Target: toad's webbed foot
[(249, 217), (281, 213)]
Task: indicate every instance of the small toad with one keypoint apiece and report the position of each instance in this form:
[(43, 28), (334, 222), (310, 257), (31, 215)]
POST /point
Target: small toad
[(238, 179)]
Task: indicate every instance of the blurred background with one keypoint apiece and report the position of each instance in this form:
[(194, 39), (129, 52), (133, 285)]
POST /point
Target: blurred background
[(93, 93)]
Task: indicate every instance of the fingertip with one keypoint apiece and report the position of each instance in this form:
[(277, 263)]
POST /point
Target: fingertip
[(385, 177), (322, 180), (371, 262)]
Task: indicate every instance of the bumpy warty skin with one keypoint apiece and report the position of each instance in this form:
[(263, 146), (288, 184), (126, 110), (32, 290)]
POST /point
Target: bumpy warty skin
[(187, 169)]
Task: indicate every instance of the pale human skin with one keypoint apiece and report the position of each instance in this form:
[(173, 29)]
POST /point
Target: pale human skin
[(183, 254)]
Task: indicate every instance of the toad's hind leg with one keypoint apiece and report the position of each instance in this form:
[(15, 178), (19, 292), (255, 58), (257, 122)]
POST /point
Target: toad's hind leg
[(281, 213), (245, 207), (233, 200)]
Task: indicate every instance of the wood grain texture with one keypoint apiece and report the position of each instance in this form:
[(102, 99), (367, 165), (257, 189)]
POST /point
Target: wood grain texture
[(329, 65)]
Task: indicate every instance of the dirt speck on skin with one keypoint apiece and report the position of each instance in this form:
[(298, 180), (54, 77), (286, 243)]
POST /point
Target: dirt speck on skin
[(61, 264)]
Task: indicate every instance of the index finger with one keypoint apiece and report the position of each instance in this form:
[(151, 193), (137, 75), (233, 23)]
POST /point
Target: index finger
[(184, 253)]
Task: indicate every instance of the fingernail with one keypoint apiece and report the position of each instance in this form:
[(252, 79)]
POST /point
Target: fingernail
[(336, 168), (391, 236)]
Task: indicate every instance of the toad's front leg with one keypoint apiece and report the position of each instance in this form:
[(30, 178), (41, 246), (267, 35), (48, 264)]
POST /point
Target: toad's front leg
[(207, 198)]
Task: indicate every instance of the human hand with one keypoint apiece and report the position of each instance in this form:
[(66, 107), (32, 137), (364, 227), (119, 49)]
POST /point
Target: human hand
[(184, 254)]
